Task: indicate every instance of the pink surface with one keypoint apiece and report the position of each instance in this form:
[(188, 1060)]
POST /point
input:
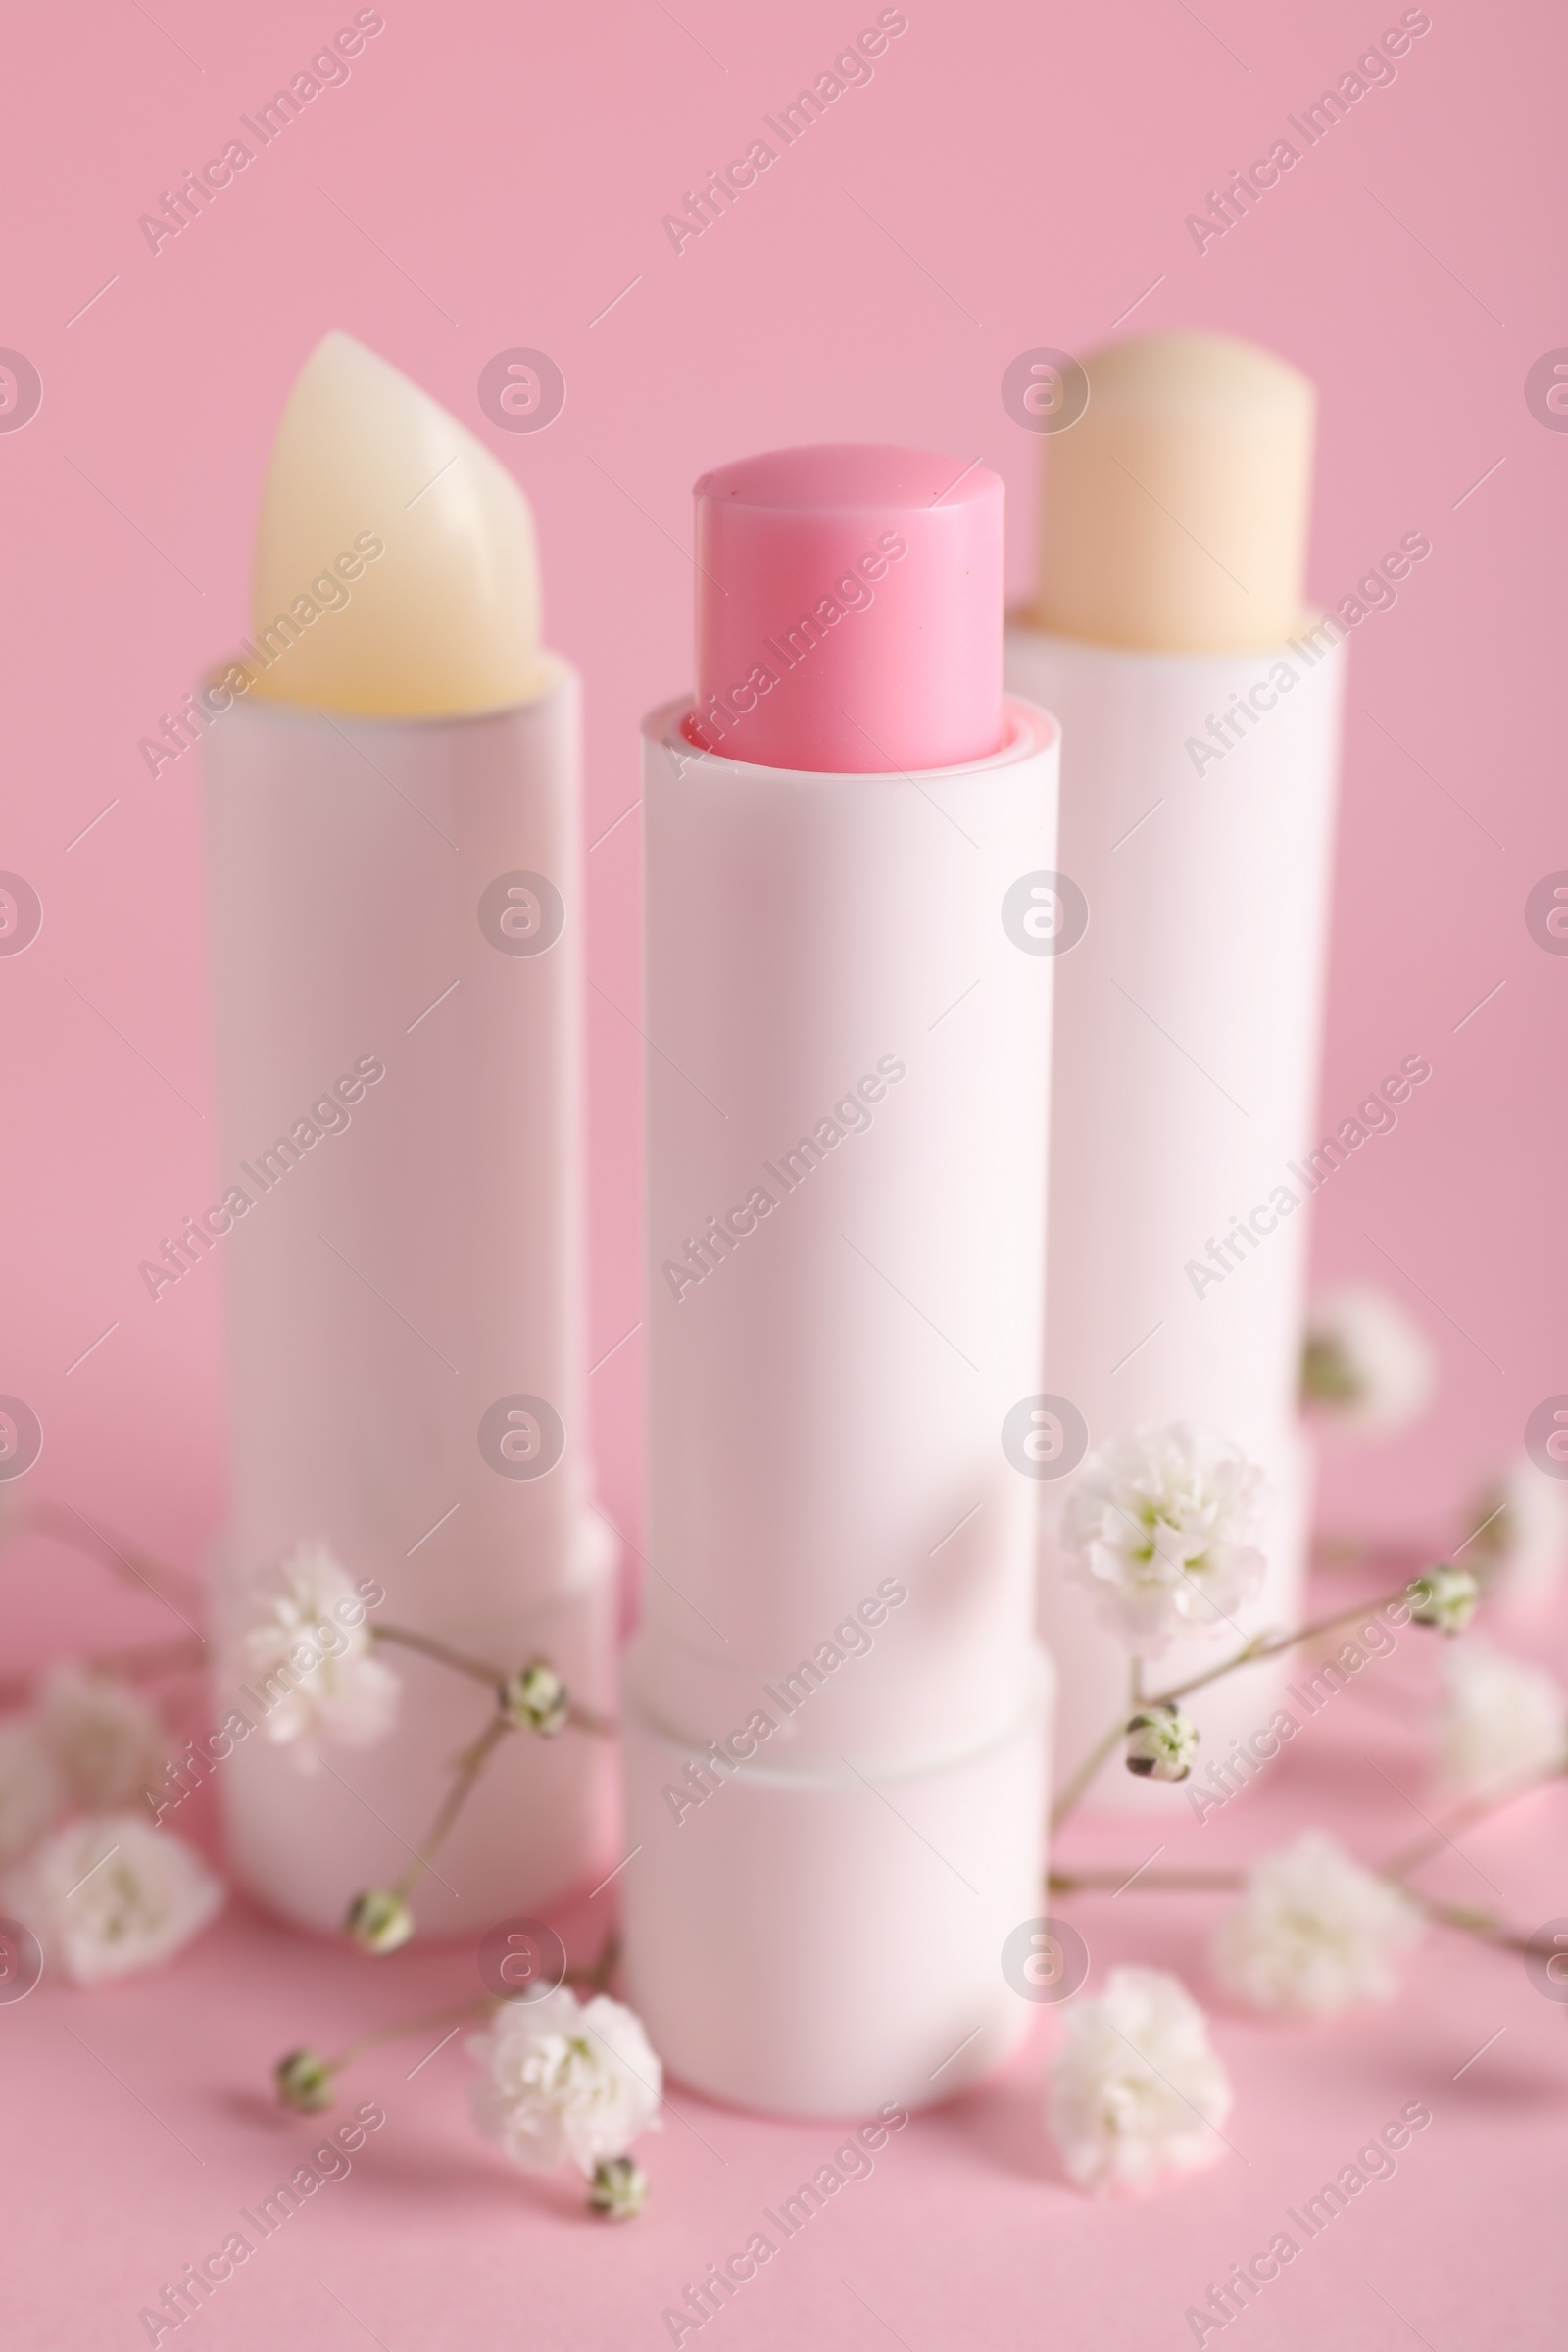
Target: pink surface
[(488, 180), (849, 609), (147, 2108)]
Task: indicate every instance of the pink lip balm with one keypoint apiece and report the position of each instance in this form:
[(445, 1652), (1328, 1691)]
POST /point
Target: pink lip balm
[(849, 609), (835, 1708)]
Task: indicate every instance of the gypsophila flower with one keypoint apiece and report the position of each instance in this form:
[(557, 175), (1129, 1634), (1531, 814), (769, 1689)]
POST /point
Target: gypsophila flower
[(1505, 1722), (1520, 1542), (1161, 1744), (108, 1896), (31, 1794), (379, 1922), (108, 1744), (1314, 1933), (1164, 1526), (303, 2081), (536, 1699), (1138, 2092), (306, 1650), (1366, 1366), (567, 2083), (619, 2188), (1443, 1598)]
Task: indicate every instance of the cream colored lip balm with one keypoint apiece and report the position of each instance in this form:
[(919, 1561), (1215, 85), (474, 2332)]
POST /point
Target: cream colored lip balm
[(392, 803), (1174, 512), (448, 625), (1199, 711)]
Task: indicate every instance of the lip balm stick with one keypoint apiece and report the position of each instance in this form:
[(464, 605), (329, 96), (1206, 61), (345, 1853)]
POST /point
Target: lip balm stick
[(1199, 708), (836, 1713), (392, 817)]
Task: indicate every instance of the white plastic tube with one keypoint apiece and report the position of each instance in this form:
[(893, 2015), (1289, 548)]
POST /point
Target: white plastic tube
[(836, 1712), (1184, 1086), (405, 1294)]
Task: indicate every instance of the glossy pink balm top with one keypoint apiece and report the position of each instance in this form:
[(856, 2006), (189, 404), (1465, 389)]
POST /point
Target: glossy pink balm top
[(849, 609)]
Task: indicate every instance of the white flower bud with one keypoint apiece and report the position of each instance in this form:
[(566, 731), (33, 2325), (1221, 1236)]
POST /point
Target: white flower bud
[(619, 2188), (379, 1922), (1444, 1598), (536, 1699), (303, 2081), (1161, 1744)]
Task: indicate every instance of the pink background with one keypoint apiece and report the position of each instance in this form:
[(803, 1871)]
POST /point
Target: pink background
[(1011, 176)]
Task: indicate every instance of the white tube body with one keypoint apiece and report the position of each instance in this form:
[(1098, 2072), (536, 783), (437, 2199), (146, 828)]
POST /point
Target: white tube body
[(1184, 1086), (406, 893), (836, 1711)]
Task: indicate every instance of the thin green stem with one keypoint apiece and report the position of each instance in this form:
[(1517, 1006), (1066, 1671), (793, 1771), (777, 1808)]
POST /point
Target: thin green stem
[(69, 1527), (429, 1647), (1250, 1653), (1085, 1771), (1342, 1550), (1477, 1809), (1168, 1881), (411, 2025), (1333, 1550), (1478, 1924), (1104, 1752), (150, 1663), (584, 1719), (605, 1966), (469, 1766), (1260, 1647), (592, 1979)]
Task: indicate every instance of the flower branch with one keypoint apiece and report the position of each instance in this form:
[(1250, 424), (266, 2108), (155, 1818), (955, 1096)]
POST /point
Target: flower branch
[(514, 1694), (150, 1662), (534, 1699), (1443, 1597), (1319, 1899), (379, 1921), (568, 2079), (1160, 1882), (441, 1651), (469, 1766), (1458, 1916), (66, 1526), (1464, 1817)]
